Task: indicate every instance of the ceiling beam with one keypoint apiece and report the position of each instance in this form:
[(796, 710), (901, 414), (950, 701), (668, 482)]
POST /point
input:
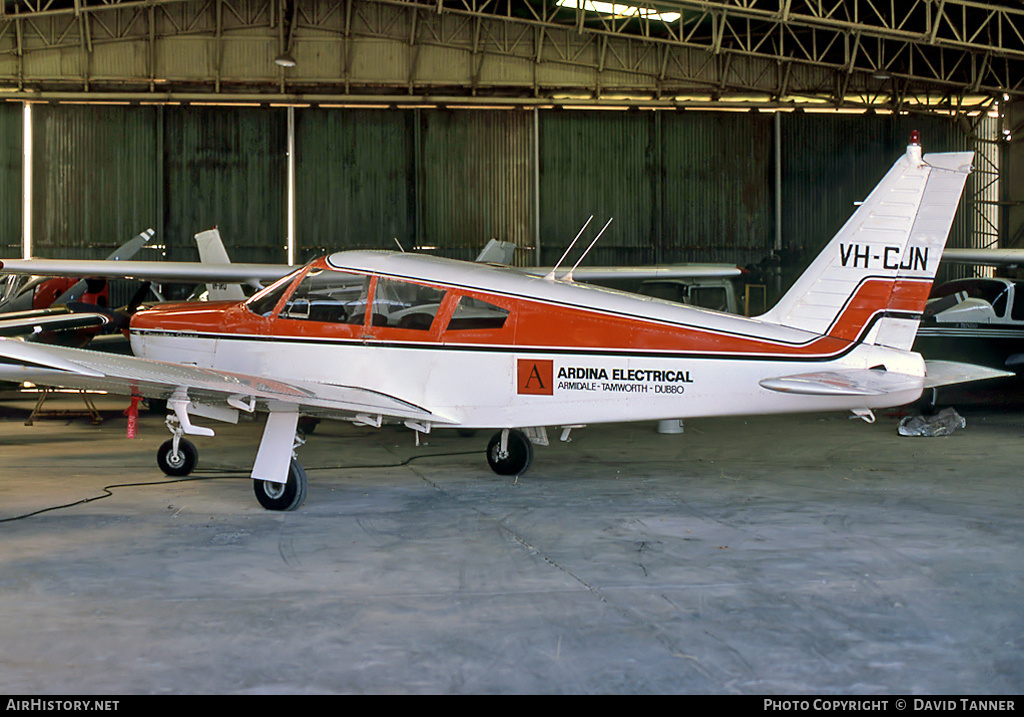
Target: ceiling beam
[(776, 52)]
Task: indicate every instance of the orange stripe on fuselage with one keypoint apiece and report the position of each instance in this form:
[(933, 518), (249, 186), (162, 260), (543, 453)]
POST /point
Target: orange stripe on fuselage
[(875, 295), (542, 325)]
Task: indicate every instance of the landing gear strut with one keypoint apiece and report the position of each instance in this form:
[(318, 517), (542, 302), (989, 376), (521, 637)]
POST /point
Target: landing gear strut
[(509, 452), (178, 456)]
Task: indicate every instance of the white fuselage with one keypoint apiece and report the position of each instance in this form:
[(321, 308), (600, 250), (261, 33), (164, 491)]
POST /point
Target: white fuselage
[(474, 385)]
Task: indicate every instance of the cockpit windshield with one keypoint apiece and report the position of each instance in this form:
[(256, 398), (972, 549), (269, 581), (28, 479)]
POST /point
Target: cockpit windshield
[(331, 296), (262, 303)]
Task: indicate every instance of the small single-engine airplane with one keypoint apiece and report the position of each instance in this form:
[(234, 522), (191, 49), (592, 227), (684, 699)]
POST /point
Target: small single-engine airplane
[(374, 337), (61, 308), (981, 319)]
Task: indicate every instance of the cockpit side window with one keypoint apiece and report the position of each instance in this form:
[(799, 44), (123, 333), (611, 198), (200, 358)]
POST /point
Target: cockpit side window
[(334, 297), (405, 305), (476, 314)]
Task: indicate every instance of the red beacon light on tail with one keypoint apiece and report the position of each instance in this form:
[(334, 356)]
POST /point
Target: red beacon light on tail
[(914, 149)]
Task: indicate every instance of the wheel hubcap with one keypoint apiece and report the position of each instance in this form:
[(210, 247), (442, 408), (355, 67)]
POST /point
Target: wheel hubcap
[(272, 489)]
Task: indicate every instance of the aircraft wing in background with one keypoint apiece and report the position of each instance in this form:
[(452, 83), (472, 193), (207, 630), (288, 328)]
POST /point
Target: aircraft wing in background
[(499, 252), (24, 323), (654, 271), (159, 271), (984, 257)]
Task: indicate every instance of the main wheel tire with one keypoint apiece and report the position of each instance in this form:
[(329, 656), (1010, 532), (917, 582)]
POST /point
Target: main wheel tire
[(518, 455), (180, 464), (283, 496)]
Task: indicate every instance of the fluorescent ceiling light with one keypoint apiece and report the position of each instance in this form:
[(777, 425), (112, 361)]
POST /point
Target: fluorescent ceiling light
[(618, 9)]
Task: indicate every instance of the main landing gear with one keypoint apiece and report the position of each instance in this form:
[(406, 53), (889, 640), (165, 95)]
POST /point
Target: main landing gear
[(283, 496), (509, 452), (178, 457)]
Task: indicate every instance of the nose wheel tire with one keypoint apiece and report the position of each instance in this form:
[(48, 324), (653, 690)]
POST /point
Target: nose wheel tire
[(517, 455), (177, 464), (283, 496)]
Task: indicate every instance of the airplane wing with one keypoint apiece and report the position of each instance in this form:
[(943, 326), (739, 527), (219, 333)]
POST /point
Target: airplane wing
[(186, 271), (878, 382), (180, 271), (122, 253), (655, 271), (216, 266), (129, 375), (50, 320), (985, 257)]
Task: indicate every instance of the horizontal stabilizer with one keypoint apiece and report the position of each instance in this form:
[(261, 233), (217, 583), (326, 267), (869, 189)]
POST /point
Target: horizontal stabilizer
[(854, 382), (947, 373), (878, 381)]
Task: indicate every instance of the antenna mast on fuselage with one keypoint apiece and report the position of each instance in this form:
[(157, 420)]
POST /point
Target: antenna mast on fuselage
[(551, 274)]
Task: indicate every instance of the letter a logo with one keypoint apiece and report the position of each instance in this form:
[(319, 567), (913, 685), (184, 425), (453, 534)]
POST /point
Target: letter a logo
[(535, 377)]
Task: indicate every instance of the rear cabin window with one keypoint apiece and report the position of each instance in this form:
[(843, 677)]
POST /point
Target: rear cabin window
[(329, 296), (475, 314), (404, 305)]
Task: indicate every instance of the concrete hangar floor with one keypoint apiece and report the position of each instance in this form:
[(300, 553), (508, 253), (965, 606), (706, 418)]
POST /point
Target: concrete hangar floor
[(767, 555)]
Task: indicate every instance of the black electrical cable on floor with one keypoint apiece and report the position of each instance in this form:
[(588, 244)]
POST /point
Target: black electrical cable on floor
[(108, 490)]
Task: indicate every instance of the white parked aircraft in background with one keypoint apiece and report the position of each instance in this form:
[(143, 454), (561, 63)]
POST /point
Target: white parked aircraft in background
[(373, 337)]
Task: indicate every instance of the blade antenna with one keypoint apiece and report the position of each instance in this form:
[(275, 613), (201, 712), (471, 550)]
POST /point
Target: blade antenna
[(568, 276), (551, 275)]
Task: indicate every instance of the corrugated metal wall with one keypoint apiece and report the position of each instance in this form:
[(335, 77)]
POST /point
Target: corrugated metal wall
[(225, 167), (830, 161), (718, 188), (10, 178), (93, 181), (679, 186), (475, 179), (354, 180), (604, 164)]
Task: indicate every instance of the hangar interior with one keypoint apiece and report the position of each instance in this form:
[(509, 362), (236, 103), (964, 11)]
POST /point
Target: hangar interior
[(711, 132), (723, 131)]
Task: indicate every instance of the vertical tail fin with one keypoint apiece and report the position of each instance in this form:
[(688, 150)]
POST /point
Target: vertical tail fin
[(212, 251), (873, 278)]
